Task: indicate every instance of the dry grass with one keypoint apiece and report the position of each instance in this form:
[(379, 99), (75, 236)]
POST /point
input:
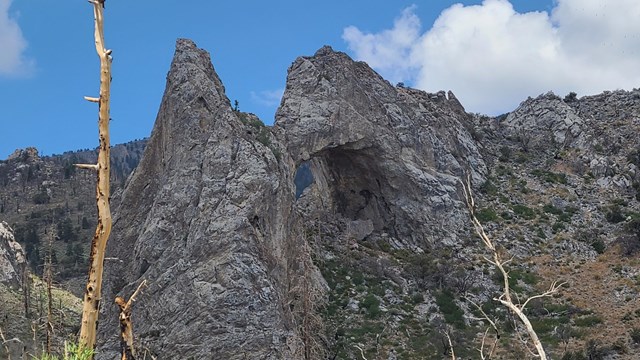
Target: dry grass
[(598, 286)]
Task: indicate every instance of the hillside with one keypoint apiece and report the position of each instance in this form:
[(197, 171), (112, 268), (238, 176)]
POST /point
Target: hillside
[(41, 196)]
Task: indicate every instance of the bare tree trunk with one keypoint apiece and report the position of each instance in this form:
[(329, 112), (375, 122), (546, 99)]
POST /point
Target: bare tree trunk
[(128, 351), (91, 306), (26, 287), (48, 275)]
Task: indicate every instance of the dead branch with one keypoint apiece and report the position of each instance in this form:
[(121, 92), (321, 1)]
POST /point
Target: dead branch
[(453, 354), (361, 352), (126, 326), (4, 342), (484, 337), (496, 260), (49, 279)]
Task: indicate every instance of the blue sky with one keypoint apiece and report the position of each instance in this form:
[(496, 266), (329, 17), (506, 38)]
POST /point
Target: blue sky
[(482, 50)]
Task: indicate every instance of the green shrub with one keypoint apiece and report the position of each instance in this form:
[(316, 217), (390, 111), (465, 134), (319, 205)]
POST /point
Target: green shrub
[(614, 214), (489, 188), (525, 276), (557, 227), (71, 352), (599, 246), (417, 298), (357, 278), (550, 177), (573, 355), (41, 198), (550, 209), (276, 152), (372, 305), (486, 215), (505, 154), (595, 351), (453, 315), (263, 137), (547, 324), (571, 97), (634, 157), (524, 211)]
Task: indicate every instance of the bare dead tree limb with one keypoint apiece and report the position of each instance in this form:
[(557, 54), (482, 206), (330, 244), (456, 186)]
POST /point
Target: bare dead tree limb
[(4, 342), (505, 297), (453, 354), (484, 337), (361, 352), (128, 351)]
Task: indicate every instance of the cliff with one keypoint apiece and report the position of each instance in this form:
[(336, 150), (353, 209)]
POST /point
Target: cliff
[(12, 258), (207, 219)]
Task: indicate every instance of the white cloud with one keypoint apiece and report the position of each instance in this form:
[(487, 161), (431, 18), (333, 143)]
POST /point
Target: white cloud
[(384, 51), (13, 45), (493, 57), (267, 97)]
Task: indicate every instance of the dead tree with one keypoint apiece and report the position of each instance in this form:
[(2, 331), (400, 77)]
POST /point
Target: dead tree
[(26, 287), (91, 304), (127, 349), (505, 297), (48, 273)]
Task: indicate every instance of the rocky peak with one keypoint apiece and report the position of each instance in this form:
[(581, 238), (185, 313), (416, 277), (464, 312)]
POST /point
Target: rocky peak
[(546, 117), (27, 155), (367, 139), (206, 220), (209, 217)]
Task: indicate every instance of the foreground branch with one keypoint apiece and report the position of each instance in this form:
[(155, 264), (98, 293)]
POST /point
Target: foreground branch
[(484, 337), (4, 342), (453, 354), (126, 326), (496, 260), (91, 304)]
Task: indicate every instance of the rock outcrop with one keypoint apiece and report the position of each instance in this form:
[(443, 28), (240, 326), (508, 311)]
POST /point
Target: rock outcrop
[(389, 155), (546, 123), (206, 219), (12, 258)]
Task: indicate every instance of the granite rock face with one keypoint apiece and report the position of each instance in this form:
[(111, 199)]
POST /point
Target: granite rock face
[(210, 219), (388, 155), (546, 123), (206, 219), (12, 258)]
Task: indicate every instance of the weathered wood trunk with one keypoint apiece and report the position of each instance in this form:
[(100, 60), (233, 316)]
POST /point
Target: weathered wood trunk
[(92, 295), (127, 349)]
